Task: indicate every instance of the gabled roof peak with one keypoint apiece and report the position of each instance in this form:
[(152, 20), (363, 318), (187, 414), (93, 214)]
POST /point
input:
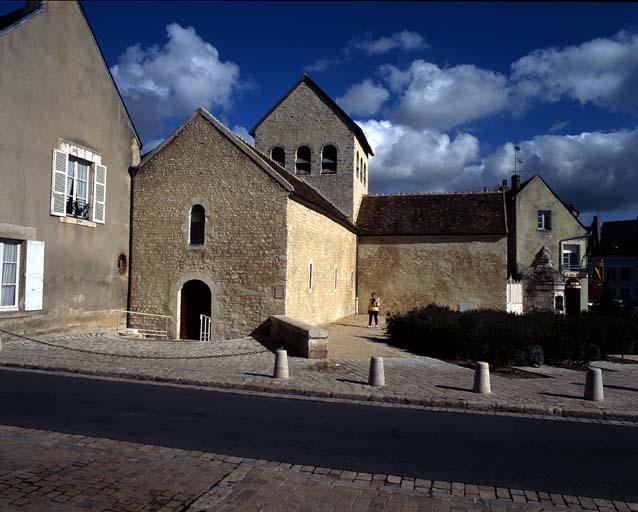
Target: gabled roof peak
[(338, 111)]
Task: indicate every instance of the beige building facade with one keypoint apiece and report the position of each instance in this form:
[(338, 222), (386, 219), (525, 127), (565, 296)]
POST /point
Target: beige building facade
[(539, 218), (65, 152)]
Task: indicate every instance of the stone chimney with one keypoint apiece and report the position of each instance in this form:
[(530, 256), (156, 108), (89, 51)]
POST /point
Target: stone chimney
[(516, 182)]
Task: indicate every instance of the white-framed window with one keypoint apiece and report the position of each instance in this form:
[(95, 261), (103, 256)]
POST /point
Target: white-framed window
[(78, 184), (9, 274), (77, 188), (310, 275), (336, 277), (544, 220), (571, 257)]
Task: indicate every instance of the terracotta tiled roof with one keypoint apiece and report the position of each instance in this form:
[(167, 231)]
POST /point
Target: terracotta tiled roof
[(433, 214)]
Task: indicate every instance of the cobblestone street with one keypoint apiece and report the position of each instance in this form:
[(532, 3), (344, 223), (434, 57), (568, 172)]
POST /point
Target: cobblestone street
[(53, 471), (247, 364)]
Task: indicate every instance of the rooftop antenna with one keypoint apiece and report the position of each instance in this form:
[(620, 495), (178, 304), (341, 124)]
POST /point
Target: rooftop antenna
[(517, 150)]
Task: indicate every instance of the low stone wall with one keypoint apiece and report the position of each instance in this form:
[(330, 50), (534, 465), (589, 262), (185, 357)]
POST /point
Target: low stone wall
[(301, 338)]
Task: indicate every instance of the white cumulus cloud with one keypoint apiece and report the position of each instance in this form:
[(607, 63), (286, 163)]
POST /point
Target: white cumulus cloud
[(441, 98), (595, 171), (603, 71), (408, 159), (405, 40), (363, 99), (173, 80)]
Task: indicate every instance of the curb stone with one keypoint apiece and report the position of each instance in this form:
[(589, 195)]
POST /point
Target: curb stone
[(437, 403)]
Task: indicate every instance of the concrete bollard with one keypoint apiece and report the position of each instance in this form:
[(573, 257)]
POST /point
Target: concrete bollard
[(594, 385), (377, 374), (281, 364), (482, 378)]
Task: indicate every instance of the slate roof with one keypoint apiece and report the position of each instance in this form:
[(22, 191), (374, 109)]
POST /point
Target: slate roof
[(433, 214), (19, 14), (338, 111)]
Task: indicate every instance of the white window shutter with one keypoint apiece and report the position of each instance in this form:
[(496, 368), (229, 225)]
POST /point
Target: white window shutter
[(58, 183), (99, 194), (34, 276)]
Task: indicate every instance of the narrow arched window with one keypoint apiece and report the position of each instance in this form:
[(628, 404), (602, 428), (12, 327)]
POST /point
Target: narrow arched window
[(361, 167), (365, 174), (310, 275), (358, 161), (336, 275), (279, 155), (329, 159), (302, 162), (198, 225)]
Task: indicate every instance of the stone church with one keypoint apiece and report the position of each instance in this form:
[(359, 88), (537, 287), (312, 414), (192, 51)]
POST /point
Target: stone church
[(240, 233)]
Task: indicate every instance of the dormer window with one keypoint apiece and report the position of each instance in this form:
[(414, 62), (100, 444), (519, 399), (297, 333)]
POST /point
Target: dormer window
[(302, 162), (279, 155), (329, 160)]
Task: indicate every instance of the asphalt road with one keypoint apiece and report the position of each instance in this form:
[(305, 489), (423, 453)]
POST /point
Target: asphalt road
[(555, 456)]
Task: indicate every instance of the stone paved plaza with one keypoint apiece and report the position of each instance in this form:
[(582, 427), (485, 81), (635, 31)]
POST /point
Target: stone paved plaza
[(248, 364), (58, 472)]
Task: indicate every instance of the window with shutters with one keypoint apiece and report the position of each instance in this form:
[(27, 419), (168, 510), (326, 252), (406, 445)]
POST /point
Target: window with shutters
[(197, 225), (78, 185), (9, 274)]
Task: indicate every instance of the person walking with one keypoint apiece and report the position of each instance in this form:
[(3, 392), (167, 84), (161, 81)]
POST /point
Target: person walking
[(373, 310)]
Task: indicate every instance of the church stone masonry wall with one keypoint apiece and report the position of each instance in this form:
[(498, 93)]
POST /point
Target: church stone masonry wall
[(409, 272), (244, 256), (303, 119), (314, 237)]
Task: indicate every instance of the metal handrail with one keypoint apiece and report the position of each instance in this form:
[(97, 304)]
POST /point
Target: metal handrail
[(155, 332)]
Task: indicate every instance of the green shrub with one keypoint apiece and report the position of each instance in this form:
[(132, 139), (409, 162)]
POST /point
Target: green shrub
[(503, 339)]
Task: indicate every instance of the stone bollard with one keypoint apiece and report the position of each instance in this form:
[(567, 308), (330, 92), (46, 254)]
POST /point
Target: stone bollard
[(482, 378), (377, 375), (281, 364), (594, 385)]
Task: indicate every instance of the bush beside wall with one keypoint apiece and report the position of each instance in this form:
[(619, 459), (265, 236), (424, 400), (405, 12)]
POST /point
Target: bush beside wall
[(505, 339)]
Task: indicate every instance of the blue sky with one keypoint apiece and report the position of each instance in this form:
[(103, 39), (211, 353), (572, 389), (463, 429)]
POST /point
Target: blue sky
[(442, 90)]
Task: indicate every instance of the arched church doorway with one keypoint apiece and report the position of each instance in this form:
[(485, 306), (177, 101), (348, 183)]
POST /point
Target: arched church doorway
[(195, 301)]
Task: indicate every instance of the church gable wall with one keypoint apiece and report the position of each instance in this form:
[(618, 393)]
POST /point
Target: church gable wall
[(243, 257)]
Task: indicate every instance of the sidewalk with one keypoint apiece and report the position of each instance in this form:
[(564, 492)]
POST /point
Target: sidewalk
[(58, 472), (246, 364)]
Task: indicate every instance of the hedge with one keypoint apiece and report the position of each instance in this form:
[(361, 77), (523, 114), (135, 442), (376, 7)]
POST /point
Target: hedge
[(505, 339)]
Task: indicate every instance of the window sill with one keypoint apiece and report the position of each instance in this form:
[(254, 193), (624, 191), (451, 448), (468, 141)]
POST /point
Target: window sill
[(197, 246), (11, 309), (79, 222)]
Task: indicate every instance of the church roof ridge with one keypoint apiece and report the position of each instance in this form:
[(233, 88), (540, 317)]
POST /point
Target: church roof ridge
[(442, 193)]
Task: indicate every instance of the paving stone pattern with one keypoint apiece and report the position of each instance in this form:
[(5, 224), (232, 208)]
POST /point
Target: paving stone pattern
[(53, 471), (248, 364)]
